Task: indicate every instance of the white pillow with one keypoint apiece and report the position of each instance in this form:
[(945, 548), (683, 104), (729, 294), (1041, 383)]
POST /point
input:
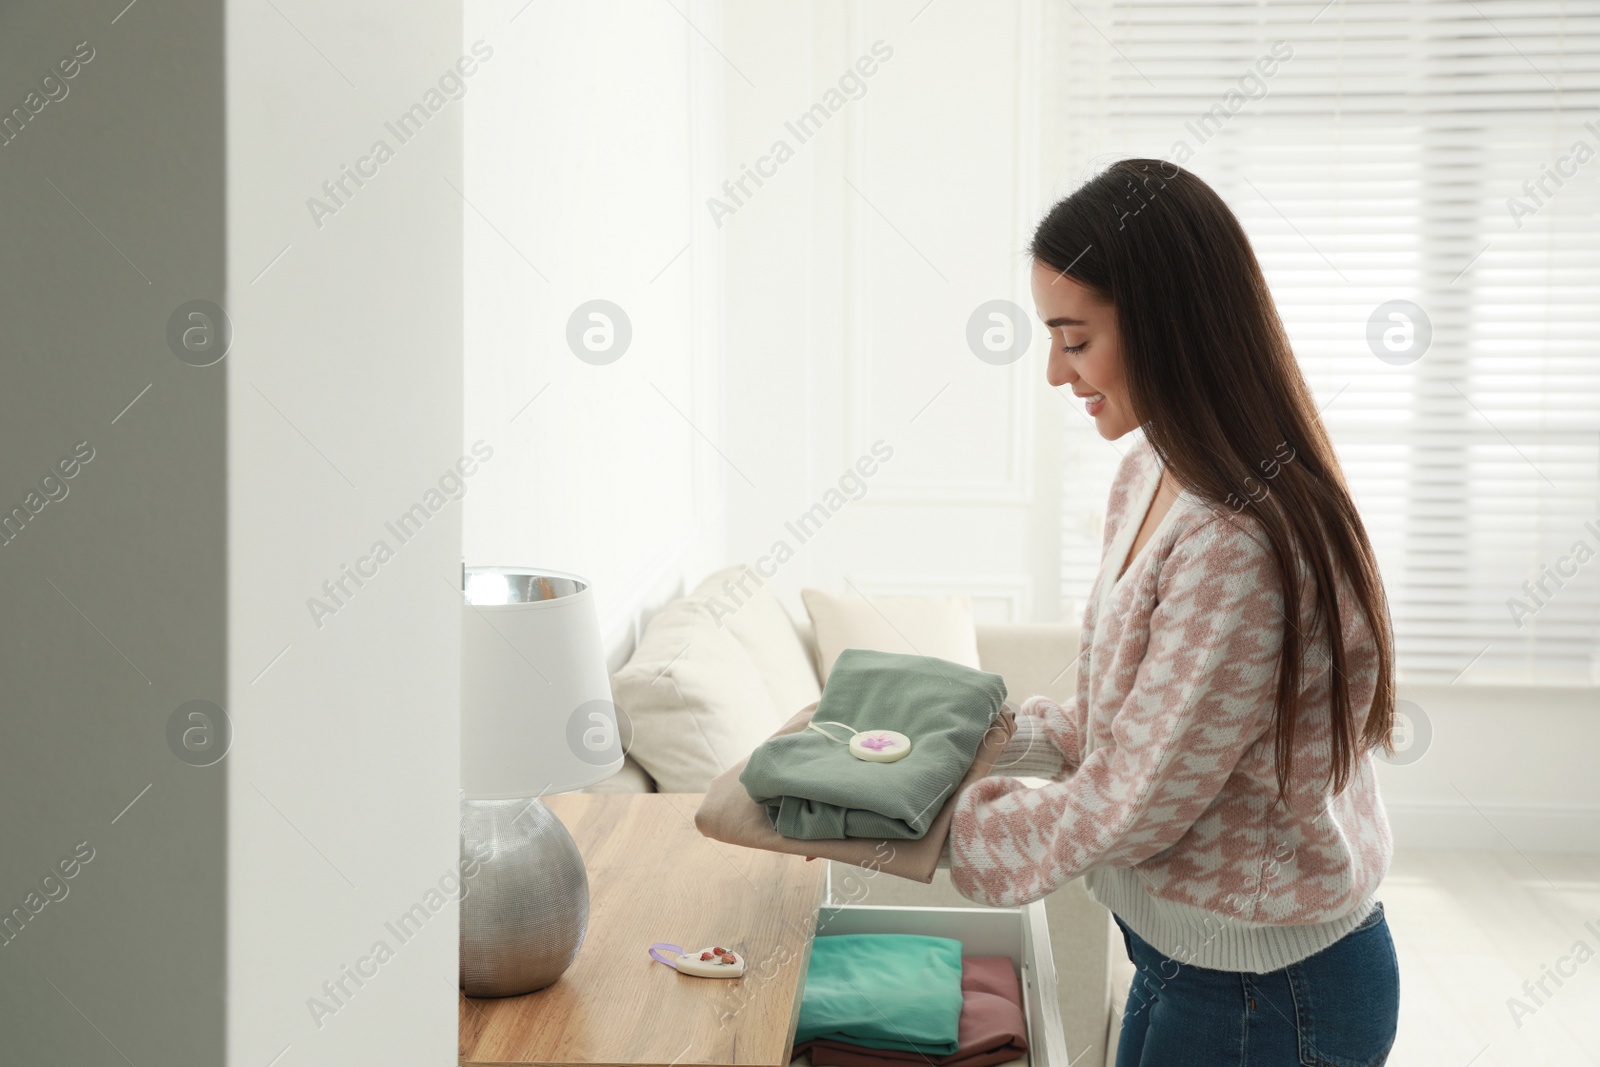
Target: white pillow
[(750, 610), (694, 698), (938, 626)]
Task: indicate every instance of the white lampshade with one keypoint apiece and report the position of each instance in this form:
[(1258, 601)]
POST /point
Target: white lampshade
[(536, 711)]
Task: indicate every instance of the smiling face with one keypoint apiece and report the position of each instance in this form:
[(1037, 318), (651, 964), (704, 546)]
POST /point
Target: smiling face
[(1085, 349)]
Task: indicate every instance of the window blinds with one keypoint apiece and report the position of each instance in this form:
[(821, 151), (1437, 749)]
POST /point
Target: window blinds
[(1421, 182)]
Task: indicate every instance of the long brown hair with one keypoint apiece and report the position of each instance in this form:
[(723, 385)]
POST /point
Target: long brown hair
[(1213, 379)]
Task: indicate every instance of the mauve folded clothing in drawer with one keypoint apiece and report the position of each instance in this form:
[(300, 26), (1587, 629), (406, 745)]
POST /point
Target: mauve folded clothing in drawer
[(814, 789)]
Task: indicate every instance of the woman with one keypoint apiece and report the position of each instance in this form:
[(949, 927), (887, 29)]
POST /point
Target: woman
[(1213, 775)]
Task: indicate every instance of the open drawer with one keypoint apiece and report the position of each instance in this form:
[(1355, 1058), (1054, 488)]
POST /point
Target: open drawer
[(1019, 933)]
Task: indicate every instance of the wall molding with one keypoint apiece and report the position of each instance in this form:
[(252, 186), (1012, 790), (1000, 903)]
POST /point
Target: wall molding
[(1528, 827), (1016, 485)]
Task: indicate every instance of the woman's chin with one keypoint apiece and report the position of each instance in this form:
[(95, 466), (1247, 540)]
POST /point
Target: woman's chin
[(1111, 426)]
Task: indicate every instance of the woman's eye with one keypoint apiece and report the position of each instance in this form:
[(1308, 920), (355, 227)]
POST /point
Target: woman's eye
[(1073, 349)]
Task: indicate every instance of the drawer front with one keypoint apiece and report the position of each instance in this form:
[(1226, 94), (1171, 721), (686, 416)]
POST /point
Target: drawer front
[(1018, 933)]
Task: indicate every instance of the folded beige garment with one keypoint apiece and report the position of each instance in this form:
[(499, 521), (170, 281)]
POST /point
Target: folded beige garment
[(728, 814)]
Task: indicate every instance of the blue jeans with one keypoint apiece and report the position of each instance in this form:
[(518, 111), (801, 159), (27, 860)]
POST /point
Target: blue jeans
[(1337, 1008)]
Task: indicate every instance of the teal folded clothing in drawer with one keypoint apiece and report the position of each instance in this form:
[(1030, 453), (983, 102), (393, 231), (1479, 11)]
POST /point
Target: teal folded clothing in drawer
[(814, 789), (894, 991)]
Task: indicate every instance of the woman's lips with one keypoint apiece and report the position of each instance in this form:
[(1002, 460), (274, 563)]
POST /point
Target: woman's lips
[(1095, 404)]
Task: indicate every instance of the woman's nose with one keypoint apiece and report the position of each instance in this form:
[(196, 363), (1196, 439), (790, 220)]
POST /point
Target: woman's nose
[(1058, 371)]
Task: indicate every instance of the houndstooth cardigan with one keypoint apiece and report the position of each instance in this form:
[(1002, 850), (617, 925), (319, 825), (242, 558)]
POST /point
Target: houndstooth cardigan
[(1162, 775)]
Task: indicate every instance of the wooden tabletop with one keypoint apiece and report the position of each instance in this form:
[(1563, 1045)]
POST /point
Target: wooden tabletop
[(654, 878)]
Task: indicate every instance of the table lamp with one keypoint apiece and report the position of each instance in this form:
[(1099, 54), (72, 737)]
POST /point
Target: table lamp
[(536, 718)]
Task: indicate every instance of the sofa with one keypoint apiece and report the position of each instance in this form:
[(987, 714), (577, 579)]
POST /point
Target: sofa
[(717, 671)]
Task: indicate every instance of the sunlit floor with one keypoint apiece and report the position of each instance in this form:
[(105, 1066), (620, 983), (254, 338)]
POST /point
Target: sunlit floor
[(1470, 928)]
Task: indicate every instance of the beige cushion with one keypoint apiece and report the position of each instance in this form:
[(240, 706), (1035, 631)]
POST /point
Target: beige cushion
[(938, 626), (746, 607), (693, 697), (630, 779), (1033, 657)]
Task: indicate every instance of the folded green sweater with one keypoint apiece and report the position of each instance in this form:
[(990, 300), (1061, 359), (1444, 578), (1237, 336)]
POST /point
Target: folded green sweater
[(899, 991), (814, 789)]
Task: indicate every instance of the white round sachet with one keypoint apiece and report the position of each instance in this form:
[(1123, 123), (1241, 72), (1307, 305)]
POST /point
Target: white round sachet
[(880, 746)]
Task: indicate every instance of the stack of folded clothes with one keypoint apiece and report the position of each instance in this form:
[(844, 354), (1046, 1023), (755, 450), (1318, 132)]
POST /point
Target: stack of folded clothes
[(814, 789), (887, 1000), (728, 814)]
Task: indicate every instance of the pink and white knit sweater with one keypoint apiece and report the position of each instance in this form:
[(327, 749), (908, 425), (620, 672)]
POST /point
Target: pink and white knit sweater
[(1163, 780)]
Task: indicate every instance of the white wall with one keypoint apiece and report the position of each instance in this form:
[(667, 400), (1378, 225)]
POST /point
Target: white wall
[(1506, 767), (215, 900), (787, 336), (344, 411), (586, 142), (852, 274)]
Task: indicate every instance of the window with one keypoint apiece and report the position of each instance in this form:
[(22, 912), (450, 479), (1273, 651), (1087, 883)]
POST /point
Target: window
[(1421, 182)]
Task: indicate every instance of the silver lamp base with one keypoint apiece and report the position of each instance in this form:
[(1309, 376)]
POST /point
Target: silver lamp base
[(525, 905)]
